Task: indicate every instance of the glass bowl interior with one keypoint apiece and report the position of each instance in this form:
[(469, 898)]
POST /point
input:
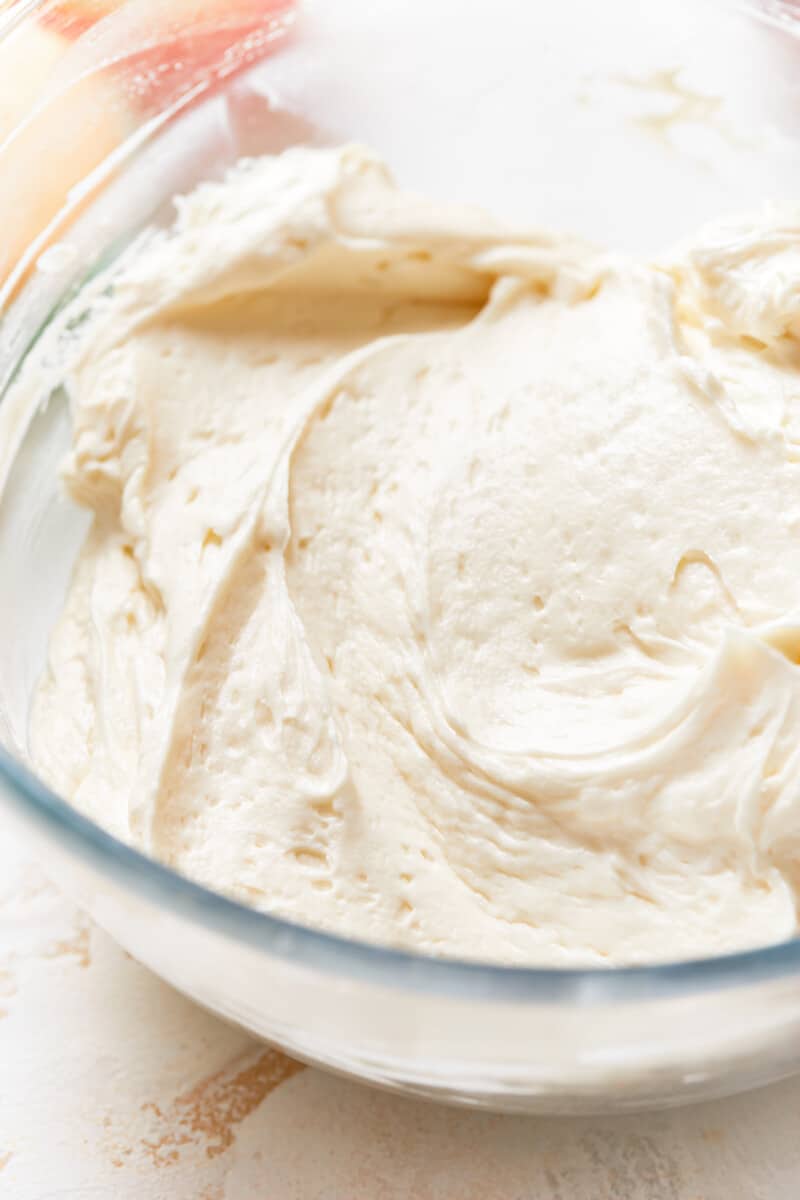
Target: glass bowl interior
[(627, 126)]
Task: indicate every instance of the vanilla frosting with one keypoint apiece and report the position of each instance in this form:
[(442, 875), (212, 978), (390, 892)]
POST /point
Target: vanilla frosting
[(443, 583)]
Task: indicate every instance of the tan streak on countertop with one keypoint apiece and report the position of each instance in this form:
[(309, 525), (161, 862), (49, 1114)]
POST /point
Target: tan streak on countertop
[(685, 106), (77, 946), (210, 1110)]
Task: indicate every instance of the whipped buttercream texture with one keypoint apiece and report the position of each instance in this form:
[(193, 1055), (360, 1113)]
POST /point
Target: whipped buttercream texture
[(443, 584)]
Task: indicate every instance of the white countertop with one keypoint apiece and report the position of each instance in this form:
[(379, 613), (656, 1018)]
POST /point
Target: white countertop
[(114, 1085)]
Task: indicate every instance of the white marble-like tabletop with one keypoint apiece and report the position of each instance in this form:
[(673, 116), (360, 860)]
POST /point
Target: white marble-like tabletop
[(113, 1085)]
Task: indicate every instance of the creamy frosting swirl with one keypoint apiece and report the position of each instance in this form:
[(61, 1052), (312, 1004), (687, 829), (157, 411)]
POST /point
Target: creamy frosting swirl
[(443, 585)]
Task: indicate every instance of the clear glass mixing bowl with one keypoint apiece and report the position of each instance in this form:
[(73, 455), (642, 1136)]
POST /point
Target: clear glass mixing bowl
[(628, 123)]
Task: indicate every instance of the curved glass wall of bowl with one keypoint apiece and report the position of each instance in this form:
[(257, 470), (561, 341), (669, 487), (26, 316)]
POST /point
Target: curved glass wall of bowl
[(103, 84), (214, 113), (86, 87)]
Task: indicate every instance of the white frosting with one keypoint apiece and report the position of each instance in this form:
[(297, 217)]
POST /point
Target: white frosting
[(443, 587)]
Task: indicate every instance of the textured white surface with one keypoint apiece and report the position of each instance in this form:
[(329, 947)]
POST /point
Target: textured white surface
[(112, 1084)]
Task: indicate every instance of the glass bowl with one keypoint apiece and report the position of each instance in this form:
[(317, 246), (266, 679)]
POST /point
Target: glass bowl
[(630, 124)]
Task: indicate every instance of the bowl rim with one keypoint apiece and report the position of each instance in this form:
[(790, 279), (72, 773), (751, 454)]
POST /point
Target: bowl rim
[(305, 946)]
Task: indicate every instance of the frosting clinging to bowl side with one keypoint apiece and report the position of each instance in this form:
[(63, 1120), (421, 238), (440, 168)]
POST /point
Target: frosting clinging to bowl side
[(443, 586)]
